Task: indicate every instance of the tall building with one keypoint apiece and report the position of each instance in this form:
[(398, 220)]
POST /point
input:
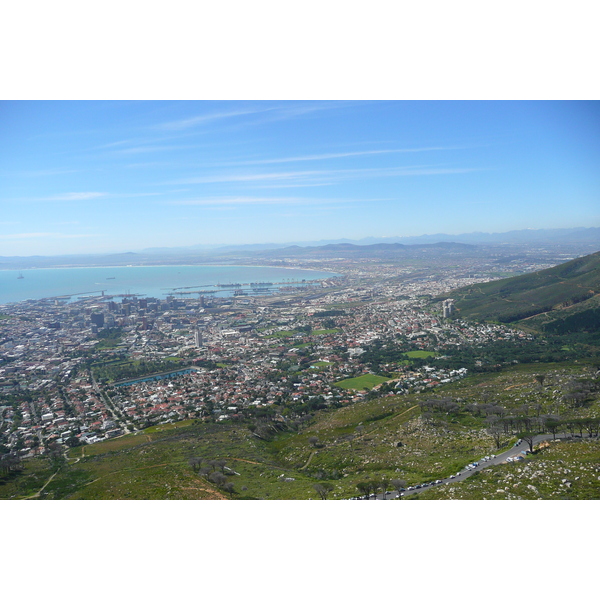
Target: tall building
[(97, 319), (447, 307), (198, 337)]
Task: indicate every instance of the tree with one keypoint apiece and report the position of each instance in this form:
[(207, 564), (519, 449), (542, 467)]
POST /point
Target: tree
[(313, 441), (495, 429), (540, 379), (228, 487), (323, 489), (399, 484), (9, 463), (528, 436), (375, 486), (364, 487), (195, 462), (217, 478), (384, 484), (553, 424)]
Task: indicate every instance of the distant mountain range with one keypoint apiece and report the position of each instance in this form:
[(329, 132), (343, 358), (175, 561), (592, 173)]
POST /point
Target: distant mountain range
[(582, 240), (576, 235), (368, 251)]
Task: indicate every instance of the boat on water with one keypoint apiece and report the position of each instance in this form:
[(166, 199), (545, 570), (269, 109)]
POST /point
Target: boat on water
[(20, 276), (111, 278)]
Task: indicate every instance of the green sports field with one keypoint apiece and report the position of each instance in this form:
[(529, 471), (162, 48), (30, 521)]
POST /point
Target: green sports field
[(360, 383)]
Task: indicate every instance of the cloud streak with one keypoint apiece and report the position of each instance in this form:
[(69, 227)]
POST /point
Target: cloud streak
[(191, 122), (262, 201), (70, 197), (334, 155), (317, 177), (265, 114), (83, 196)]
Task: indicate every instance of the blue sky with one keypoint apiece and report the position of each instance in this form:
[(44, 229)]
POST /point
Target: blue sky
[(85, 176)]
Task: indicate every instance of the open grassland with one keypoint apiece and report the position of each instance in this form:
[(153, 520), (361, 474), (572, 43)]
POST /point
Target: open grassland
[(35, 473), (154, 463), (561, 470), (368, 381)]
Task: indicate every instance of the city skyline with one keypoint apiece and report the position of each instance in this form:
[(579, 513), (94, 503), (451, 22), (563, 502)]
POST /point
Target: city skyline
[(110, 176)]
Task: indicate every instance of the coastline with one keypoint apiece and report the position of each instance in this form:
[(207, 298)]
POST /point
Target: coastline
[(54, 282)]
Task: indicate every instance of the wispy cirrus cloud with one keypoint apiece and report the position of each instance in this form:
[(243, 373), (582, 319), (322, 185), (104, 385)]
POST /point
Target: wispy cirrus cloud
[(68, 197), (278, 112), (83, 196), (333, 155), (153, 148), (190, 122), (246, 177), (259, 200), (322, 177)]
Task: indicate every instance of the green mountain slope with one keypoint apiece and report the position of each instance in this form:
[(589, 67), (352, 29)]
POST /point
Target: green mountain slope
[(557, 292)]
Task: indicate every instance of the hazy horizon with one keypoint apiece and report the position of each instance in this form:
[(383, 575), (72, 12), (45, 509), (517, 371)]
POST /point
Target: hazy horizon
[(408, 240)]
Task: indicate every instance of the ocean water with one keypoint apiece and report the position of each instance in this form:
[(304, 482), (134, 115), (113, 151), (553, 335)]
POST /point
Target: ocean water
[(157, 282)]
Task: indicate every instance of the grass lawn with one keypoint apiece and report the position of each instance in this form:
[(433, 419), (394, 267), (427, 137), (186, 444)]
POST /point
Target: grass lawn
[(360, 383), (324, 331), (420, 354)]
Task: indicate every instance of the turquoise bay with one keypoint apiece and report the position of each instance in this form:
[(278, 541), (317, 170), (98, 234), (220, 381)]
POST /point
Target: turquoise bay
[(154, 281)]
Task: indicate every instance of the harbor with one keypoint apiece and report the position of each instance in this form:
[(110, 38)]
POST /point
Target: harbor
[(56, 284)]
